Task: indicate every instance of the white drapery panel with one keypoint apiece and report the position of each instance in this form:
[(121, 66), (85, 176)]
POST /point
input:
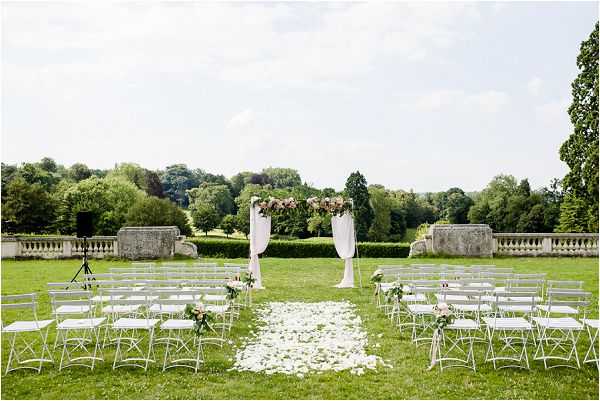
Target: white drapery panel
[(260, 232), (345, 245)]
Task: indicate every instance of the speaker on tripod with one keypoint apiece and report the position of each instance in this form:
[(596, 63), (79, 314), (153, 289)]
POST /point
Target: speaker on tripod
[(85, 229)]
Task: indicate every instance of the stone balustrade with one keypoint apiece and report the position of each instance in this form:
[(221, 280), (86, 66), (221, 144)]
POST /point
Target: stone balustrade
[(58, 247), (551, 244)]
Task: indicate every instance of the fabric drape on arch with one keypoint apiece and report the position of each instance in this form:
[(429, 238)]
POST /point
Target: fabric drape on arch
[(343, 237)]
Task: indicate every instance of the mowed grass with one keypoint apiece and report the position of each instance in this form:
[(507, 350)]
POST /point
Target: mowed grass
[(308, 280)]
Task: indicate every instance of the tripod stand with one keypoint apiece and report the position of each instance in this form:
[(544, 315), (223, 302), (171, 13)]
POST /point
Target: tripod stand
[(84, 266)]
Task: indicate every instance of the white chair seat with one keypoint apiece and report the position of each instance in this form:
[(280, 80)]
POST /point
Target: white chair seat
[(440, 297), (463, 324), (105, 298), (187, 297), (566, 323), (31, 325), (128, 323), (567, 310), (72, 309), (142, 297), (593, 323), (420, 309), (473, 308), (73, 324), (507, 323), (177, 324), (214, 298), (156, 308), (488, 285), (499, 290), (492, 298), (414, 298), (526, 299), (121, 308), (517, 308), (218, 309)]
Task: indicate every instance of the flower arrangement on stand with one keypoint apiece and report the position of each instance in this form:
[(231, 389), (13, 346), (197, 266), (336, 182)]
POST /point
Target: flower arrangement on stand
[(233, 289), (376, 278), (395, 293), (336, 206), (201, 317), (248, 281), (443, 317), (273, 205)]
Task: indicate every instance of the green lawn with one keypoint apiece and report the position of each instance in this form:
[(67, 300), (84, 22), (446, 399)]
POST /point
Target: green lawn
[(305, 280)]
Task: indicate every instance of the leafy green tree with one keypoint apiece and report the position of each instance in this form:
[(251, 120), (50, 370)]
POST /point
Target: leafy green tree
[(153, 184), (228, 224), (48, 164), (356, 189), (573, 215), (8, 173), (78, 172), (28, 207), (239, 181), (176, 180), (217, 195), (580, 151), (318, 224), (397, 222), (205, 217), (109, 200), (34, 174), (153, 211), (282, 177), (457, 206), (381, 204)]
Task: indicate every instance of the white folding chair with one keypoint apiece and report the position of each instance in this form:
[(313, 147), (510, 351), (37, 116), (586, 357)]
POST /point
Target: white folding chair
[(182, 347), (591, 356), (77, 334), (558, 336), (456, 347), (511, 332), (29, 332), (132, 332), (421, 314)]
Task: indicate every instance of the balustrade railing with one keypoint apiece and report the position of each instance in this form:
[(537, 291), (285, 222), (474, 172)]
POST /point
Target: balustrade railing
[(58, 247), (550, 244)]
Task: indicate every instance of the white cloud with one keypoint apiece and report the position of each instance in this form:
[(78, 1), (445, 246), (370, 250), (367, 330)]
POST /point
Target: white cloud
[(490, 101), (242, 119), (534, 86)]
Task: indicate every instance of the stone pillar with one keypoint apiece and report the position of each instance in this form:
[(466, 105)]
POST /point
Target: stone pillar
[(461, 240), (66, 248), (546, 245), (10, 247)]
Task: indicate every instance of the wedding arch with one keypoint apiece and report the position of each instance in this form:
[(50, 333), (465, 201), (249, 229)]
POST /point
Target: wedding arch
[(342, 226)]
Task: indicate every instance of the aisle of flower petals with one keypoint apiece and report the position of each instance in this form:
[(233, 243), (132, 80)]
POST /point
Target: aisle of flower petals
[(298, 338)]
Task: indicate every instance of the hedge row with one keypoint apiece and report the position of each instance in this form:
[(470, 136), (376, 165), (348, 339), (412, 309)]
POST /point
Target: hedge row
[(229, 248)]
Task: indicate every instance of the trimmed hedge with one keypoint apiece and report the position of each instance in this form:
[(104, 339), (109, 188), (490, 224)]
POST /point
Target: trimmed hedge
[(232, 248)]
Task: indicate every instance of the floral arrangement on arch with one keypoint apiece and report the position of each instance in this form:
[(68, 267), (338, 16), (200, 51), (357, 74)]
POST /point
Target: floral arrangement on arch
[(335, 206)]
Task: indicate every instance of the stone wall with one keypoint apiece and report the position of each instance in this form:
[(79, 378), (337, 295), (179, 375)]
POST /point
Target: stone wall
[(473, 240), (147, 242)]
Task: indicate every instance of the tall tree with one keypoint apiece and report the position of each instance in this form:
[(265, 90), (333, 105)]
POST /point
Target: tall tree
[(176, 180), (381, 204), (153, 211), (217, 195), (28, 207), (580, 151), (283, 177), (356, 189)]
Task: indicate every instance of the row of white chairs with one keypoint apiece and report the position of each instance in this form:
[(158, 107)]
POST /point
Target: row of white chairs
[(129, 317), (507, 315)]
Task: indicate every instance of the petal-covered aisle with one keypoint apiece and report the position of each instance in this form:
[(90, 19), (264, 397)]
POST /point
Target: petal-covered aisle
[(297, 338)]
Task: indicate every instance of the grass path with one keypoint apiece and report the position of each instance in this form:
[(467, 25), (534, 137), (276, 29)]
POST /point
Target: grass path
[(306, 280)]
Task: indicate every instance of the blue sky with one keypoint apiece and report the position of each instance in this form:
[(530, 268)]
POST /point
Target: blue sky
[(414, 95)]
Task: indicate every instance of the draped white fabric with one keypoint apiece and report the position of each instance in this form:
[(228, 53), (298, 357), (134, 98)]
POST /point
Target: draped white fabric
[(260, 232), (345, 245)]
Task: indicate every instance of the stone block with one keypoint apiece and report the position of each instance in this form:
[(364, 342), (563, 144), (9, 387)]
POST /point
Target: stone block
[(147, 242), (461, 240)]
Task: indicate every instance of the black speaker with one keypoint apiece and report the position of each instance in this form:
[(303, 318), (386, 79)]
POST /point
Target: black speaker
[(85, 226)]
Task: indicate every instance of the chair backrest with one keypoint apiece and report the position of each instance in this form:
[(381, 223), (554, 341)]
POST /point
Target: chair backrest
[(579, 300), (529, 276), (99, 276), (20, 301), (81, 298), (130, 269), (478, 284), (175, 264), (67, 285), (564, 285), (211, 264), (524, 299), (525, 284), (461, 297)]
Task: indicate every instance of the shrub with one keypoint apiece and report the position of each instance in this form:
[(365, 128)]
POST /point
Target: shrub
[(209, 247)]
